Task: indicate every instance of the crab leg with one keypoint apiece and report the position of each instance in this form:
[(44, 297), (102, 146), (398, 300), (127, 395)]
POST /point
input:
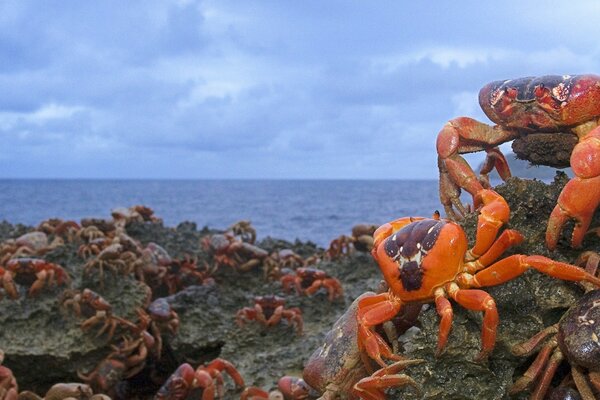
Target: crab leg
[(534, 370), (372, 387), (542, 386), (515, 265), (444, 310), (478, 300), (508, 238), (581, 195), (492, 216), (466, 135), (375, 310)]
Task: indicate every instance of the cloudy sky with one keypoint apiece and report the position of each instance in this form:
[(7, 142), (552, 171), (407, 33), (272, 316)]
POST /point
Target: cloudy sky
[(263, 89)]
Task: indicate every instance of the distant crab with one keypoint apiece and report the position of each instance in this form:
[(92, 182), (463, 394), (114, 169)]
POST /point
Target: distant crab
[(309, 280), (35, 272), (94, 308), (206, 378), (269, 310)]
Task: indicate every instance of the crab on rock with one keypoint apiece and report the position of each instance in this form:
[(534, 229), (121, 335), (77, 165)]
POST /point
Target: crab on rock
[(32, 271), (550, 104), (308, 280), (208, 378), (424, 260), (269, 310), (574, 338)]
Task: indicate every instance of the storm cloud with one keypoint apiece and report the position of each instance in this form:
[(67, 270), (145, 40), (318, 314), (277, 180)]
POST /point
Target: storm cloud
[(269, 89)]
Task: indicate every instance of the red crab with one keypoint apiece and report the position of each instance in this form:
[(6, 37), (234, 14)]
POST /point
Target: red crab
[(269, 310), (185, 272), (309, 280), (157, 317), (227, 250), (207, 378), (336, 369), (425, 260), (8, 384), (524, 106), (95, 308), (32, 271), (126, 360)]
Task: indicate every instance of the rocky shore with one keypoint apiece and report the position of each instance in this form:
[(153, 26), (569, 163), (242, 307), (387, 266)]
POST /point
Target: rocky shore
[(44, 343)]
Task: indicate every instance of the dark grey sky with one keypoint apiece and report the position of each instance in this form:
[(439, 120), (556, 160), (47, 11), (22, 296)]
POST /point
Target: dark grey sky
[(263, 89)]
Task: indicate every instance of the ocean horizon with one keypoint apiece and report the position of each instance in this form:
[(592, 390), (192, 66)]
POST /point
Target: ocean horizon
[(316, 210)]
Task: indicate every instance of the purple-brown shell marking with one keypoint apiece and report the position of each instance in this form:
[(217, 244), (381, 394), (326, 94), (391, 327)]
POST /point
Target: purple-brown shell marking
[(579, 332), (409, 245), (160, 308), (525, 88)]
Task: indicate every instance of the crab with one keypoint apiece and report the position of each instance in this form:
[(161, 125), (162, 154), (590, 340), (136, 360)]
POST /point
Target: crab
[(427, 260), (551, 104), (125, 361), (309, 280), (30, 244), (106, 226), (32, 271), (244, 231), (269, 310), (157, 317), (208, 378), (227, 250), (90, 233), (155, 260), (94, 308), (8, 384), (138, 213), (65, 391), (58, 227), (280, 260), (574, 338), (185, 272), (115, 259), (336, 370), (93, 247)]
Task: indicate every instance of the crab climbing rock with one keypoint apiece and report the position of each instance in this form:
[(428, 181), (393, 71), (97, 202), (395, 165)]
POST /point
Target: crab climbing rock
[(428, 260), (525, 106)]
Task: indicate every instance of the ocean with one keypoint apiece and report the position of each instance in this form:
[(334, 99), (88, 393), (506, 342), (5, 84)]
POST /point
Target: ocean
[(308, 210)]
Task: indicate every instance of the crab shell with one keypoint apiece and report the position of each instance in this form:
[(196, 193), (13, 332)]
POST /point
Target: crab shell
[(421, 257), (336, 366), (579, 332), (545, 104)]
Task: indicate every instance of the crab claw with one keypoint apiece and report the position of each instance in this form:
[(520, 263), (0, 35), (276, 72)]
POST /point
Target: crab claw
[(581, 195), (494, 213)]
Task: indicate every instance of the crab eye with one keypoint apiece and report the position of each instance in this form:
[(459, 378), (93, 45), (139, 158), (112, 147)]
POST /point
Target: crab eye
[(540, 90), (511, 92)]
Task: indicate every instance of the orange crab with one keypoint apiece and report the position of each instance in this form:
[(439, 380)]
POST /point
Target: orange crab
[(551, 104), (31, 271), (426, 259), (207, 378)]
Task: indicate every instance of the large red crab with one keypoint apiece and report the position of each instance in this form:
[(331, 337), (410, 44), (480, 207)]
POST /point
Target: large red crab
[(425, 260), (554, 103)]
